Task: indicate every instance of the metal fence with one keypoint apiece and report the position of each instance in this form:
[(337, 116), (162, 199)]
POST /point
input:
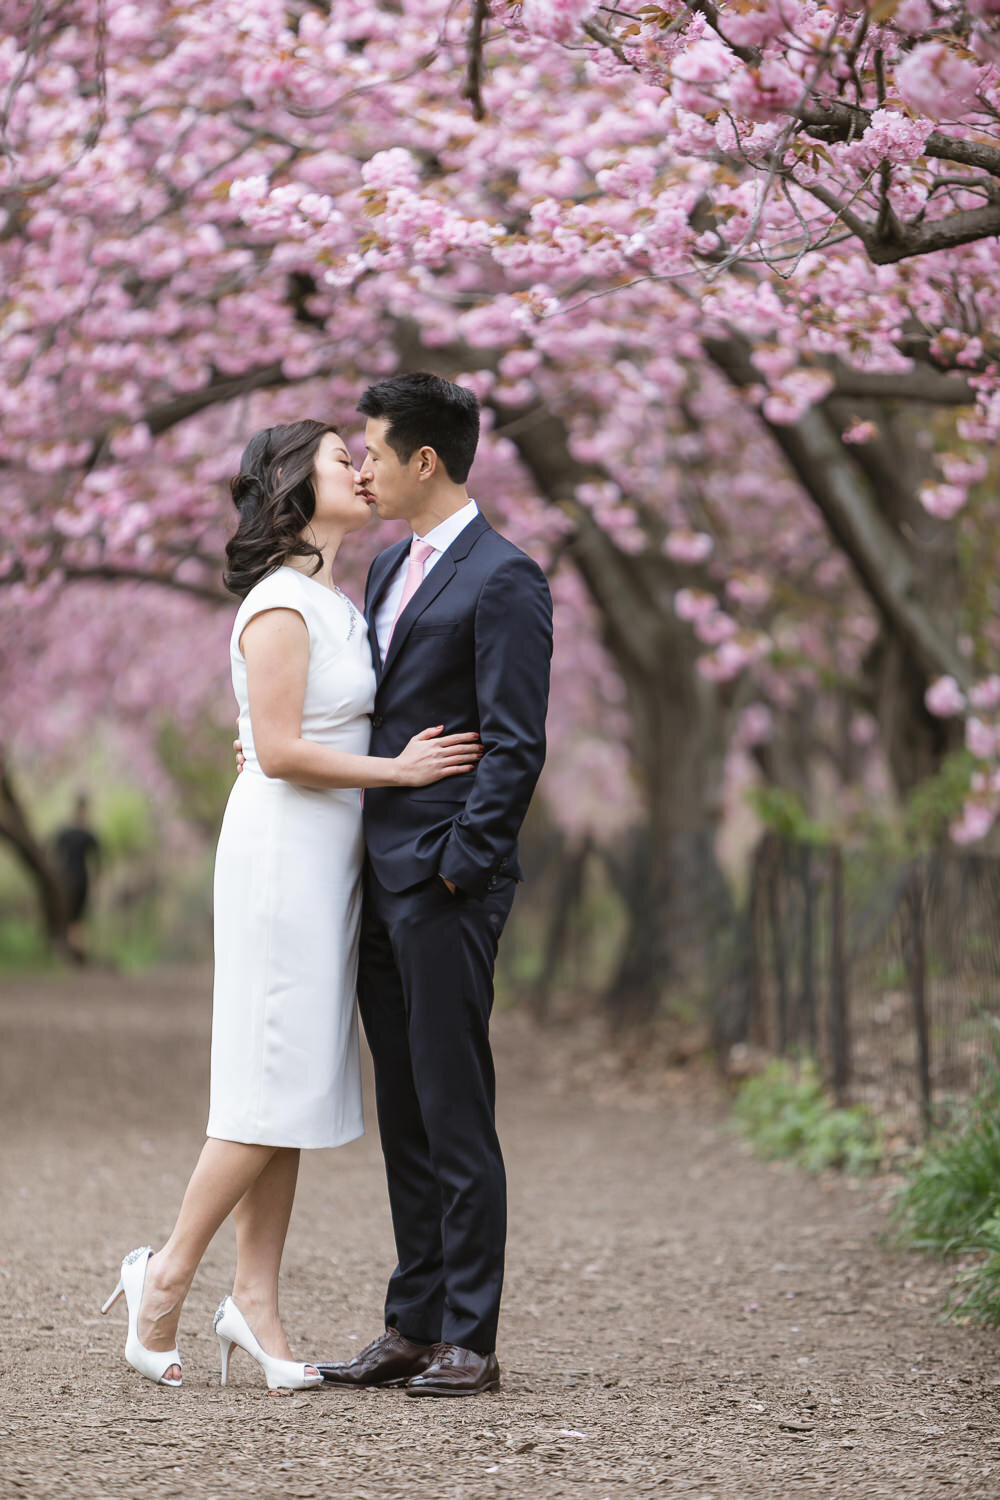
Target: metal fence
[(887, 971)]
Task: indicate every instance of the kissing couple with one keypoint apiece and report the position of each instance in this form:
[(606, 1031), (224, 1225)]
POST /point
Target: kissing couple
[(368, 850)]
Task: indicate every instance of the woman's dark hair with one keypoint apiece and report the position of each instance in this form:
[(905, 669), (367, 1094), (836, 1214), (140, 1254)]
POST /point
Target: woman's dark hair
[(275, 497), (425, 411)]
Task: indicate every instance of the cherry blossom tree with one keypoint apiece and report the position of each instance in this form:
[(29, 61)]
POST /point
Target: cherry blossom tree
[(723, 276)]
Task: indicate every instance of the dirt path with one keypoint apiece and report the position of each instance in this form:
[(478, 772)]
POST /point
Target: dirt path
[(680, 1320)]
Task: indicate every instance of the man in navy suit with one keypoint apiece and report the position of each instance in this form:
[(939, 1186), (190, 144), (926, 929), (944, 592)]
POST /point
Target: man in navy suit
[(460, 623)]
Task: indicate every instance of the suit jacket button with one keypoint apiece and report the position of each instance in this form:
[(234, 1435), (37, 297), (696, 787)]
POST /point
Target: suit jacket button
[(491, 884), (377, 721)]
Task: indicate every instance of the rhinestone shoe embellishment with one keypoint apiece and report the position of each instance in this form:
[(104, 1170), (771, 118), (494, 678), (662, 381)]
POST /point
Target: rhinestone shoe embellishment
[(135, 1255), (219, 1313)]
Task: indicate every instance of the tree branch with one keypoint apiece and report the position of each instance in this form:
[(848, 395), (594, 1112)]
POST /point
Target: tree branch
[(921, 384), (112, 573), (167, 414), (899, 241), (849, 508), (123, 573), (472, 88)]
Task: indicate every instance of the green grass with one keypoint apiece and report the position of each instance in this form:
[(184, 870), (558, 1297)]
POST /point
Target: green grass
[(23, 949), (950, 1203), (953, 1186), (975, 1296), (786, 1113)]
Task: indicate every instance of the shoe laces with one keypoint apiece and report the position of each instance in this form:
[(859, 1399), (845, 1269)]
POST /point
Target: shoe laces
[(375, 1344)]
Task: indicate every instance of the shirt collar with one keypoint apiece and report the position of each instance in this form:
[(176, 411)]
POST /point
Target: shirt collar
[(442, 536)]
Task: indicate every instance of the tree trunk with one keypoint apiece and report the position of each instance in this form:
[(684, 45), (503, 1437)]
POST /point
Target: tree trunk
[(675, 892), (567, 893), (895, 464), (15, 828)]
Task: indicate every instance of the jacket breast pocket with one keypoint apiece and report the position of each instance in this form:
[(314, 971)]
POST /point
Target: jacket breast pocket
[(434, 627)]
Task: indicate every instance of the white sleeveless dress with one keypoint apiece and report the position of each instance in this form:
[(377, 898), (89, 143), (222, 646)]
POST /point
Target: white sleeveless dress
[(285, 1061)]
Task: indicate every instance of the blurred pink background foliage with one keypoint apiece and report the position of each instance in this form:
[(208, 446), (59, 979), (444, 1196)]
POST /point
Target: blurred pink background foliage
[(689, 236)]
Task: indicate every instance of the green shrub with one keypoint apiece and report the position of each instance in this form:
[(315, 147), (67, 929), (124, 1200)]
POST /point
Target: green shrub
[(782, 812), (954, 1185), (950, 1204), (124, 821), (934, 803), (975, 1296), (786, 1113)]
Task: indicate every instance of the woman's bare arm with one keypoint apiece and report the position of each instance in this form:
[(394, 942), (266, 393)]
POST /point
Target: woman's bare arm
[(275, 646)]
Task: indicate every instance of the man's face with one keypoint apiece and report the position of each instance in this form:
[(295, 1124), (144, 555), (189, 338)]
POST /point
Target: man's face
[(392, 485)]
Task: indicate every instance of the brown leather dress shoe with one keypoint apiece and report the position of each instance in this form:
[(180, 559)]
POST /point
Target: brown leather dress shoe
[(456, 1372), (391, 1359)]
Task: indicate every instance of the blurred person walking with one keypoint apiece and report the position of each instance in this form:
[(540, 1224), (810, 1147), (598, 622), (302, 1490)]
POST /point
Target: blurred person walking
[(285, 1058), (77, 852)]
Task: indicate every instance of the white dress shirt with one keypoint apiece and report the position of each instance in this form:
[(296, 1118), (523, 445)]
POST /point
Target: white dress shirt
[(440, 538)]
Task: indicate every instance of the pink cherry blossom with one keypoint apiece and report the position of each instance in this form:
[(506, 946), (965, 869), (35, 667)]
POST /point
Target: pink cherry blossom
[(694, 604), (688, 546), (974, 824), (913, 16), (756, 726), (715, 628), (558, 19), (944, 698), (986, 694), (943, 500), (980, 738), (939, 83), (731, 658), (761, 93)]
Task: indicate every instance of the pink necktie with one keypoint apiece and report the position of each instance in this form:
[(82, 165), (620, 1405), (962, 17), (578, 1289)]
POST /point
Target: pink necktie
[(419, 553)]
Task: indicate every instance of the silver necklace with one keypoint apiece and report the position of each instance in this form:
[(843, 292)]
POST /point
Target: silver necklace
[(350, 607)]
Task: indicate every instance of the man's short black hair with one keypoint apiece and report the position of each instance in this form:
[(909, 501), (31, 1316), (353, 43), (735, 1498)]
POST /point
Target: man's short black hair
[(425, 411)]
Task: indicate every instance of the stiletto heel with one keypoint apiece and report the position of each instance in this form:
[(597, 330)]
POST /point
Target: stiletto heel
[(282, 1374), (152, 1363), (119, 1289)]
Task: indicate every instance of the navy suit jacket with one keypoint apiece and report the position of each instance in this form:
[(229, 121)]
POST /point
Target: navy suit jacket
[(471, 650)]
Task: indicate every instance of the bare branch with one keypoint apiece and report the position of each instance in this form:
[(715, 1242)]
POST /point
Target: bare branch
[(606, 38), (472, 88)]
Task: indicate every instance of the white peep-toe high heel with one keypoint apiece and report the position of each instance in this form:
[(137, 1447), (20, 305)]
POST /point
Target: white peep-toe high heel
[(153, 1363), (282, 1374)]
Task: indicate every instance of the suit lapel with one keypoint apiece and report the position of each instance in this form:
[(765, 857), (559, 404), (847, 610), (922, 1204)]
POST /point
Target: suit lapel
[(382, 570), (441, 574), (437, 579)]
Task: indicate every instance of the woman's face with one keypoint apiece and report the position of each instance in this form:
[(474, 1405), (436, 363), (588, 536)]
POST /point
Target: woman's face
[(339, 497)]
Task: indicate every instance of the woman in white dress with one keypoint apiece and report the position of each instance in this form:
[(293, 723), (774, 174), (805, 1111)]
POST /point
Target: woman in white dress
[(285, 1064)]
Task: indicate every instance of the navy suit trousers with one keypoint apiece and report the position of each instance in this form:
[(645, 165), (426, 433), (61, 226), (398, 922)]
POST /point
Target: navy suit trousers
[(425, 991)]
